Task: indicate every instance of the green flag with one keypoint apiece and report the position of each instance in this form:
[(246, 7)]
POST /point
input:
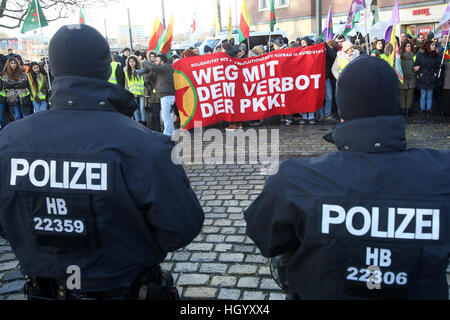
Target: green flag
[(375, 10), (355, 20), (35, 17), (273, 19)]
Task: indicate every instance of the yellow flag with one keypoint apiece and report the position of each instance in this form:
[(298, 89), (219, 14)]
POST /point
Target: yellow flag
[(230, 25)]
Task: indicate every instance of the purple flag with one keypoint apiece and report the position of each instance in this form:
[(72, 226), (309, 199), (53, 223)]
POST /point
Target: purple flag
[(444, 24), (395, 19), (328, 31)]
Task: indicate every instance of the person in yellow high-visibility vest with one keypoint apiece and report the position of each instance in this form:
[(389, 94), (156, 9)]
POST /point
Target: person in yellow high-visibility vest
[(135, 84), (15, 82), (3, 106), (38, 85), (347, 54), (117, 75)]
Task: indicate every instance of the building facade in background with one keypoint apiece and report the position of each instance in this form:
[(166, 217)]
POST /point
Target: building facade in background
[(297, 17)]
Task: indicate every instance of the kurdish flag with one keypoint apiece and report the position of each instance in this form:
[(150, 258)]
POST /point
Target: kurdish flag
[(157, 32), (273, 19), (244, 25), (328, 31), (35, 17), (394, 55), (447, 53), (166, 43)]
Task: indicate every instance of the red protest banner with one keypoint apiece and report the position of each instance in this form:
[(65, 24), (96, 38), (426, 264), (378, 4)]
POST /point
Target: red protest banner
[(213, 88)]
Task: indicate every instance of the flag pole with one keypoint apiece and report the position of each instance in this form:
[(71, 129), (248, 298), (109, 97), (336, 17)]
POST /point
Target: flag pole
[(443, 55), (270, 35), (366, 16), (42, 39)]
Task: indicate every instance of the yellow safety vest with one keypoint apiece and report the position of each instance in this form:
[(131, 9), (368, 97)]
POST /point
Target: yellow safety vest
[(40, 81), (136, 87), (342, 63), (113, 78), (3, 93)]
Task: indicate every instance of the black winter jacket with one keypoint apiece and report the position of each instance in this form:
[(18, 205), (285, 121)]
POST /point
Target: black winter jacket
[(429, 68), (84, 185), (374, 204)]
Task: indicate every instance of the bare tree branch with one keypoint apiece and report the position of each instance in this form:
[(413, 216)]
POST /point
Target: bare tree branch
[(16, 10)]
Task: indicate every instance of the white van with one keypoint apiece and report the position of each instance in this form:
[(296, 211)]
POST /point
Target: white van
[(256, 38)]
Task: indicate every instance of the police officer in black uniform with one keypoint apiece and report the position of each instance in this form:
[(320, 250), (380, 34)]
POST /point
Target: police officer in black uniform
[(91, 202), (368, 221)]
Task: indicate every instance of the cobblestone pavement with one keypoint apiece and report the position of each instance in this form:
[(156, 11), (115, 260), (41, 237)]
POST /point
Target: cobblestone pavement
[(222, 262)]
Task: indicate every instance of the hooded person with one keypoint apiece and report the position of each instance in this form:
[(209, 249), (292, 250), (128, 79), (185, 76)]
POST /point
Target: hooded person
[(373, 207), (90, 187), (343, 58)]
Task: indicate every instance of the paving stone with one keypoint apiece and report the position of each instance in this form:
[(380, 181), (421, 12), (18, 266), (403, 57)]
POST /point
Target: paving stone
[(192, 279), (200, 293), (269, 284), (13, 275), (10, 287), (8, 265), (228, 230), (223, 281), (186, 267), (231, 257), (248, 282), (277, 296), (254, 258), (204, 257), (215, 238), (5, 249), (235, 239), (7, 257), (223, 247), (229, 294), (181, 256), (244, 248), (254, 295), (242, 269), (213, 268), (200, 246)]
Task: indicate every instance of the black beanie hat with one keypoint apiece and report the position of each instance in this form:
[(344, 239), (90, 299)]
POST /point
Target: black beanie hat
[(80, 50), (367, 87)]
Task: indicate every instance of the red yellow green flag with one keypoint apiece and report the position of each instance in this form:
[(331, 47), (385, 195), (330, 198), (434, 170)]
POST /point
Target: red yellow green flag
[(166, 43), (273, 19), (244, 25), (157, 32)]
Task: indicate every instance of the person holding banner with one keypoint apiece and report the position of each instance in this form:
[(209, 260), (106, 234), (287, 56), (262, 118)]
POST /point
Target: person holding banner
[(427, 68)]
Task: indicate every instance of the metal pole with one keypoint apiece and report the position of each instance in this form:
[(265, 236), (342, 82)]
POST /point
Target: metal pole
[(106, 32), (163, 14), (318, 17), (43, 48), (443, 55), (129, 27), (220, 14), (366, 16)]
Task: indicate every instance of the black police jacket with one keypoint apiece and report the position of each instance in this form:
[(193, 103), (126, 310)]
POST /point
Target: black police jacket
[(369, 221), (84, 185)]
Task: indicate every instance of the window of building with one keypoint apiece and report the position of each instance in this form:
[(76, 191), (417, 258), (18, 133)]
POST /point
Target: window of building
[(265, 4)]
